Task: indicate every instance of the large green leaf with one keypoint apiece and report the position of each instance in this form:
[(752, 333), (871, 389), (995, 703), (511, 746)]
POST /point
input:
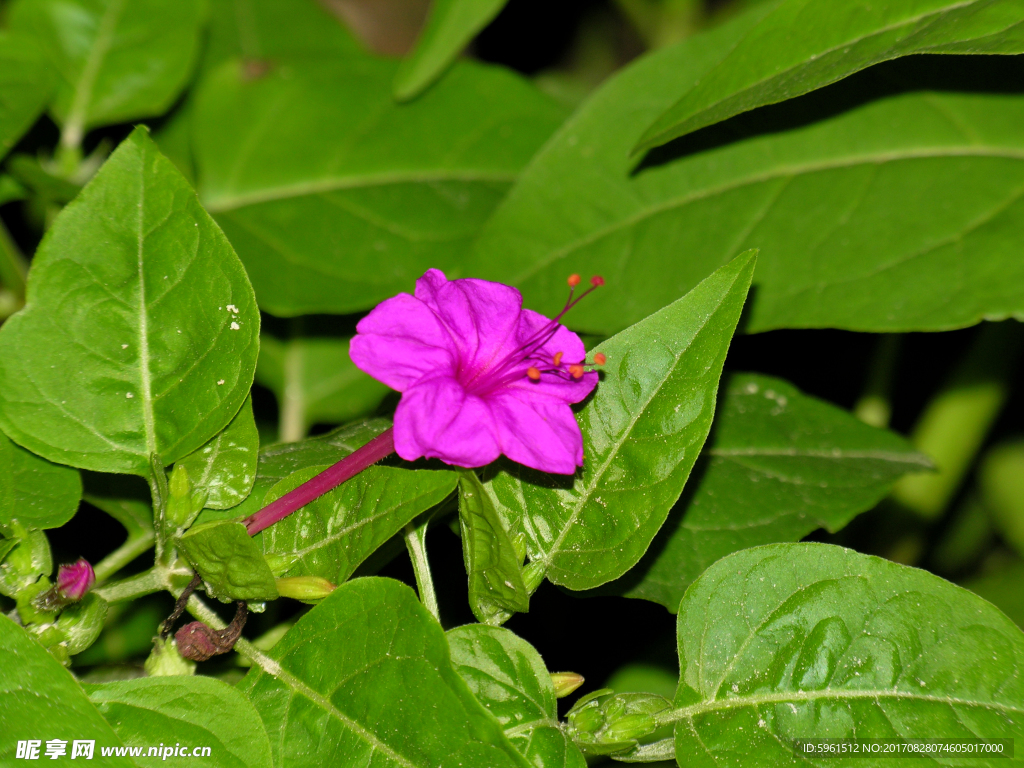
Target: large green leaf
[(799, 45), (141, 331), (188, 711), (33, 491), (778, 465), (804, 641), (448, 29), (508, 676), (26, 82), (496, 588), (642, 432), (331, 536), (335, 196), (225, 468), (315, 381), (365, 678), (229, 561), (118, 59), (903, 213), (40, 700)]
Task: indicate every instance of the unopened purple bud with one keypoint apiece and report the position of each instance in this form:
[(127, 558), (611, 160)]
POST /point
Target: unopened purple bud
[(74, 580)]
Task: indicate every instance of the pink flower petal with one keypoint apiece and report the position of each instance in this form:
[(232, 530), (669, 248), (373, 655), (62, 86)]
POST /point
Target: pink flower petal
[(436, 419), (401, 341), (538, 433)]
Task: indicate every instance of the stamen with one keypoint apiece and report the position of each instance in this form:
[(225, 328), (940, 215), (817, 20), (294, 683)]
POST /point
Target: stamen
[(576, 370), (600, 358), (558, 359), (574, 280), (533, 373)]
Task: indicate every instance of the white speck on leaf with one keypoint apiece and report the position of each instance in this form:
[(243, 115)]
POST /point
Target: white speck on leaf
[(124, 346), (232, 308), (235, 326), (220, 382), (129, 395)]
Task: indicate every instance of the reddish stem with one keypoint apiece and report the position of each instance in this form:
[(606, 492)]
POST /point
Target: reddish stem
[(375, 450)]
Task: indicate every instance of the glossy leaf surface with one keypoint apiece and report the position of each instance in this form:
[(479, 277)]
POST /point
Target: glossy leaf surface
[(642, 432), (448, 29), (33, 491), (229, 561), (778, 465), (26, 82), (508, 676), (496, 589), (876, 204), (118, 59), (157, 366), (389, 697), (225, 468), (192, 711), (797, 46), (335, 196), (811, 641), (34, 687)]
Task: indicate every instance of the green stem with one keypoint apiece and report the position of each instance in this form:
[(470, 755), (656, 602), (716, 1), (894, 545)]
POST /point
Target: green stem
[(416, 543), (954, 424), (13, 265), (875, 405), (120, 557), (292, 427), (145, 583), (158, 489)]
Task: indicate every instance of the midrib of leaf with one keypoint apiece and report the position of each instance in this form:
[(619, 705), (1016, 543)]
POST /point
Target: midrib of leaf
[(74, 126), (229, 202), (787, 170), (146, 390), (584, 497), (899, 458), (782, 73)]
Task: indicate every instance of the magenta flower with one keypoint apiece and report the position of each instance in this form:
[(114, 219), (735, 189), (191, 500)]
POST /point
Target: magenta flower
[(74, 580), (479, 375)]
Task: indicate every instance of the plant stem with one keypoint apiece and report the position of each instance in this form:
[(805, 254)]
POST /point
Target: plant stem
[(366, 456), (13, 266), (293, 425), (145, 583), (875, 406), (416, 543), (158, 489), (120, 557), (954, 424)]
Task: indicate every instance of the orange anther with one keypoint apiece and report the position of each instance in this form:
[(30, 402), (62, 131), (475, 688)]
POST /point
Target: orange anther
[(533, 373), (558, 358), (576, 371), (596, 280), (600, 358), (574, 280)]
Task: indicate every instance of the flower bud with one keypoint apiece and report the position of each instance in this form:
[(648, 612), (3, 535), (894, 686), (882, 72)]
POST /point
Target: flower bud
[(565, 683), (305, 588), (183, 506), (533, 576), (604, 723), (165, 661), (629, 727), (74, 580)]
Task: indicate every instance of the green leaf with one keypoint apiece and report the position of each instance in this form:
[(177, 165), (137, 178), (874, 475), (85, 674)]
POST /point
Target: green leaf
[(315, 380), (867, 216), (1001, 482), (39, 699), (814, 641), (225, 468), (11, 190), (230, 562), (508, 676), (448, 29), (190, 711), (26, 83), (778, 465), (797, 46), (332, 535), (319, 178), (118, 59), (642, 432), (496, 588), (33, 491), (389, 695), (138, 295)]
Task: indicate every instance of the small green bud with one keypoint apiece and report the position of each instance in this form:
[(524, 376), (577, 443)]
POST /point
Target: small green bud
[(165, 661), (588, 720), (629, 727), (533, 576), (305, 588), (605, 723), (30, 609), (519, 545), (26, 562), (183, 505), (82, 622), (565, 683)]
